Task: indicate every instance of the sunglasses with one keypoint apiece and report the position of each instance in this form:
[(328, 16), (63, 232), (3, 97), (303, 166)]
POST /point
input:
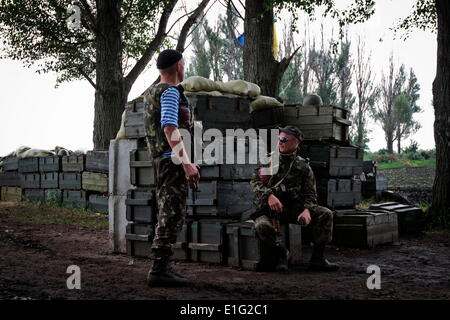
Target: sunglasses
[(283, 139)]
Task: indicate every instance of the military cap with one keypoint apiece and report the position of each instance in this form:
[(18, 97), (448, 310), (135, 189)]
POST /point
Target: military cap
[(293, 131)]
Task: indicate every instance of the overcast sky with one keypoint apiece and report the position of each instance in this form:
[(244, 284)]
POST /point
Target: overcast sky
[(35, 114)]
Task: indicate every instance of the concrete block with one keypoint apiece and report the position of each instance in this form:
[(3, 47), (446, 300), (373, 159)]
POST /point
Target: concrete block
[(119, 167), (117, 223)]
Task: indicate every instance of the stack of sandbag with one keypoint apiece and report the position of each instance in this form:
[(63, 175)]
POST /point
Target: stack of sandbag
[(223, 105)]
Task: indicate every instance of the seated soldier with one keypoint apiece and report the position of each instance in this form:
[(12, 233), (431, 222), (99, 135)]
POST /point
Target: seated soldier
[(289, 196)]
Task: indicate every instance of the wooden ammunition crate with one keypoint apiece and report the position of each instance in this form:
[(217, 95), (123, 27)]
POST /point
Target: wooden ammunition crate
[(356, 228), (10, 164), (73, 163), (247, 251), (141, 169), (266, 118), (232, 172), (139, 237), (325, 122), (333, 160), (181, 251), (410, 219), (97, 161), (370, 167), (136, 105), (50, 180), (29, 165), (11, 194), (374, 185), (339, 193), (220, 198), (141, 205), (208, 241), (33, 195), (30, 180), (98, 203), (94, 181), (223, 112), (10, 179), (135, 124), (54, 195), (70, 180), (50, 164), (77, 198)]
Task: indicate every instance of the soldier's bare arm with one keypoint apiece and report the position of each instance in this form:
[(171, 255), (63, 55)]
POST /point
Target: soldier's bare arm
[(176, 143)]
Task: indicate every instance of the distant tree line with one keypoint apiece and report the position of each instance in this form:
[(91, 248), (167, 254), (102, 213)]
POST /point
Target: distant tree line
[(322, 66)]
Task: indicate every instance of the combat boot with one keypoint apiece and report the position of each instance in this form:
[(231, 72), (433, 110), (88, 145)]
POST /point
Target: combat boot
[(319, 263), (162, 274), (283, 259)]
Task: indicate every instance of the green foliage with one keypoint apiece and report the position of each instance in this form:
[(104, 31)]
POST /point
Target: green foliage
[(215, 50), (359, 10), (36, 32), (424, 17)]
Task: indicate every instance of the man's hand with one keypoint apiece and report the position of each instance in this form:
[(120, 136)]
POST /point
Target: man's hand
[(306, 217), (274, 203), (192, 172)]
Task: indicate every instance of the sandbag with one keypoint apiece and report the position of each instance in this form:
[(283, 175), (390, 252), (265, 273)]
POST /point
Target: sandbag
[(121, 133), (197, 83), (264, 102), (214, 93), (241, 87), (35, 153)]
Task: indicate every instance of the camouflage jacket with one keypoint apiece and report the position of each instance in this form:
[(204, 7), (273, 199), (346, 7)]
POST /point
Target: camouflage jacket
[(157, 140), (297, 190)]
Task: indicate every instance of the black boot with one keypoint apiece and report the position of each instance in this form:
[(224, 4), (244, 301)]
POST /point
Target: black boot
[(282, 264), (319, 263), (162, 274)]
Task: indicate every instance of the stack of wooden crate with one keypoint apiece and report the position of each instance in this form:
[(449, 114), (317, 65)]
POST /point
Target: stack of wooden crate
[(373, 183), (79, 180), (337, 170), (10, 181), (141, 207)]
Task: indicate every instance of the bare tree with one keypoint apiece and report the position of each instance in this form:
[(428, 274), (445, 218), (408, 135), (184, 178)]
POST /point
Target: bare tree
[(391, 86), (367, 93)]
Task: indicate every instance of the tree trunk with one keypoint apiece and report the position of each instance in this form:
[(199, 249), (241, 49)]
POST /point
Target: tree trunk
[(399, 139), (360, 128), (110, 97), (260, 67), (440, 208), (390, 142)]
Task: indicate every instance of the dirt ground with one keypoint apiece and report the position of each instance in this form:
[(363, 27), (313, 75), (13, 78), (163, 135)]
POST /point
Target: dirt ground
[(34, 257)]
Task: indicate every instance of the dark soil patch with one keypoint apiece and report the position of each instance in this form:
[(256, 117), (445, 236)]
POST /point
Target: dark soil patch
[(35, 257)]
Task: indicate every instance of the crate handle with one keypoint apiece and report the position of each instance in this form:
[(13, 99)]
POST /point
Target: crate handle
[(205, 246)]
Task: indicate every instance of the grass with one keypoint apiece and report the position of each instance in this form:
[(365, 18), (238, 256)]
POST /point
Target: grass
[(407, 164), (53, 214), (364, 205)]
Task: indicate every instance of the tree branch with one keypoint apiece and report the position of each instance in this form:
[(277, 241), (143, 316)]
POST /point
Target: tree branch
[(152, 47), (88, 9), (125, 18), (188, 25), (86, 76), (181, 44)]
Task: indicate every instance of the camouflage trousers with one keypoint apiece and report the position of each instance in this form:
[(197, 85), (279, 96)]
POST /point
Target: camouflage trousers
[(171, 193), (321, 226)]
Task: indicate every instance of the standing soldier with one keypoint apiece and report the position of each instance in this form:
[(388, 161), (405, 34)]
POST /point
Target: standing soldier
[(169, 111), (289, 196)]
